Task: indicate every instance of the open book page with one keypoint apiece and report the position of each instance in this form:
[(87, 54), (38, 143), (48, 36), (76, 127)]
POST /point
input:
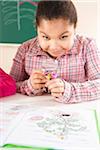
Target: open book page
[(8, 114), (56, 128)]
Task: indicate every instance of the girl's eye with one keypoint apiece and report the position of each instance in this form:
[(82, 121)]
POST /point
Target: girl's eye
[(64, 37), (45, 38)]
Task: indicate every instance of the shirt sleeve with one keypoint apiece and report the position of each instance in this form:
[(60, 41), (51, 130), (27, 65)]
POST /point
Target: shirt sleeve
[(90, 89), (19, 74)]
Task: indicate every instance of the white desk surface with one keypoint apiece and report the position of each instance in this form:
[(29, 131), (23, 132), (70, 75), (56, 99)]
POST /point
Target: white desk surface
[(48, 101)]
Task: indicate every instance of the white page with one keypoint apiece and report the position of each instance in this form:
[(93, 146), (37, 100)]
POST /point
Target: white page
[(56, 129), (8, 114)]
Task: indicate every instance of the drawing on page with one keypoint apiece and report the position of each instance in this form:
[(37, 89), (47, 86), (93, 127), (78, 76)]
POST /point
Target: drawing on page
[(60, 124)]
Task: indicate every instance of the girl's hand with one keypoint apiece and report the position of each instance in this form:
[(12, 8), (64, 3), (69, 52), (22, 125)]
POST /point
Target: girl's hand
[(56, 86), (38, 79)]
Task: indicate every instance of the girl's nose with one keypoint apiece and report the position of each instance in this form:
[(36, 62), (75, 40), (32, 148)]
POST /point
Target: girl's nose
[(54, 45)]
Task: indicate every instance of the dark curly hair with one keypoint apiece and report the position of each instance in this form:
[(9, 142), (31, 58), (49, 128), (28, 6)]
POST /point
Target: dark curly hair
[(54, 9)]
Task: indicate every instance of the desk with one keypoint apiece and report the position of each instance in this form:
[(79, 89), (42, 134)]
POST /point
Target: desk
[(45, 101), (48, 101)]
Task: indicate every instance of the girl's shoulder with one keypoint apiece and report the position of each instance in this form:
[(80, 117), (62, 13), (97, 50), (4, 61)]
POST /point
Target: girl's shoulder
[(28, 46), (83, 40), (83, 44), (30, 43)]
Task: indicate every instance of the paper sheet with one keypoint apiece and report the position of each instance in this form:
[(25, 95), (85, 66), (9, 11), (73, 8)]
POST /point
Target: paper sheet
[(8, 114), (55, 128)]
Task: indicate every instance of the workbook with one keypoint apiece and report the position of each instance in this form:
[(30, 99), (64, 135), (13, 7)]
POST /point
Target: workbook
[(55, 128)]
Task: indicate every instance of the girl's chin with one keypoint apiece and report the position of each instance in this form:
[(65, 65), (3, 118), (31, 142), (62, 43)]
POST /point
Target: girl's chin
[(56, 54)]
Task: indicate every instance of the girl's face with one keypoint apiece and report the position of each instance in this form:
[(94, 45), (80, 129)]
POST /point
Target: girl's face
[(55, 36)]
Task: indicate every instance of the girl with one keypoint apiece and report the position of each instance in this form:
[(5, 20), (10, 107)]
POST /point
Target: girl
[(76, 57)]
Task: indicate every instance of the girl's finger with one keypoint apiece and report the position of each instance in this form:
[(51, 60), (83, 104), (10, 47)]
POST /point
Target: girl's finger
[(55, 84), (38, 76), (57, 90), (39, 81), (38, 86), (57, 95)]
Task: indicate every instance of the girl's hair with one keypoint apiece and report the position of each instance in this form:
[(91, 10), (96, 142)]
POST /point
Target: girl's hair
[(55, 9)]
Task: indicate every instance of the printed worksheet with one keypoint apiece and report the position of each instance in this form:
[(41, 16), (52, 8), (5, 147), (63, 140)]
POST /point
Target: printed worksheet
[(55, 128), (8, 114)]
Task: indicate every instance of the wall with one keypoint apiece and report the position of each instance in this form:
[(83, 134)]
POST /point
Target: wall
[(87, 17), (7, 53)]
